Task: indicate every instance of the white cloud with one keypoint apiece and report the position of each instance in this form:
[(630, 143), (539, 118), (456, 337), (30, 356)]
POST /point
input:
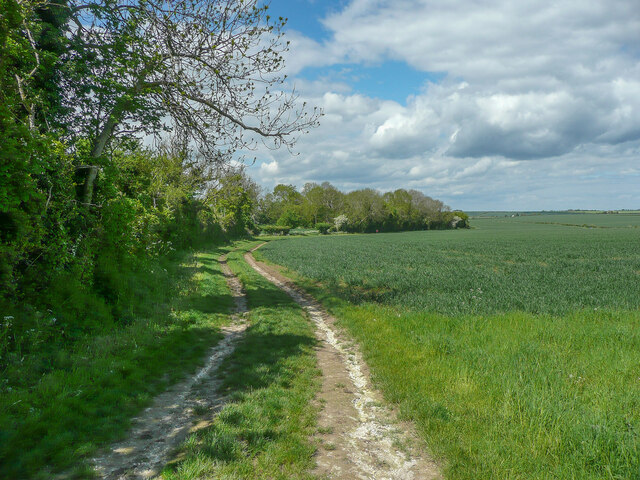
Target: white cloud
[(269, 169), (540, 102)]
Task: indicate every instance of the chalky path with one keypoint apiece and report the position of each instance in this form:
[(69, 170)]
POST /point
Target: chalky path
[(359, 437), (165, 424)]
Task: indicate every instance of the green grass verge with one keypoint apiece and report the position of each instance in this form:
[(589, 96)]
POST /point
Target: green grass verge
[(271, 379), (513, 395), (508, 395), (57, 407)]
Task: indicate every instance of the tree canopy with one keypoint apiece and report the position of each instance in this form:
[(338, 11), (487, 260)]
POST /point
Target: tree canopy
[(210, 68), (365, 210), (82, 83)]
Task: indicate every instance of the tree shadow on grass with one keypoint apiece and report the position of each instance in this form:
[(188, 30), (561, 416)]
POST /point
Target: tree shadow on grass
[(263, 358), (112, 374), (207, 304), (264, 382)]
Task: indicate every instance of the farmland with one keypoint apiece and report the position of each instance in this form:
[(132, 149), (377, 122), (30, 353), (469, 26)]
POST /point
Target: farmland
[(502, 265), (513, 346)]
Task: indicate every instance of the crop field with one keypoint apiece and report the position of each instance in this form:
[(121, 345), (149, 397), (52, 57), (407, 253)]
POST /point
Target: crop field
[(502, 265), (588, 220), (513, 346)]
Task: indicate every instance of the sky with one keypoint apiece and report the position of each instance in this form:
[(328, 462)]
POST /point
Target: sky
[(483, 104)]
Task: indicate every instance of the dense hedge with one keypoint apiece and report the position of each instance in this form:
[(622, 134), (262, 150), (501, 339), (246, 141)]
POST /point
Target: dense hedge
[(274, 229)]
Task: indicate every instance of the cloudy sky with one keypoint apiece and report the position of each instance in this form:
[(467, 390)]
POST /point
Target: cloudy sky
[(486, 105)]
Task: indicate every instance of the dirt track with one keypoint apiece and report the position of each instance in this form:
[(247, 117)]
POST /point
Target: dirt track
[(359, 438)]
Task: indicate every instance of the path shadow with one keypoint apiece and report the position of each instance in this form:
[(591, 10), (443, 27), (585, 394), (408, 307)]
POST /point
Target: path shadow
[(262, 359), (259, 380)]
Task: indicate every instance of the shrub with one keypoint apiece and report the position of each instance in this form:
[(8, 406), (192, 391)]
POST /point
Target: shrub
[(291, 216), (463, 221), (274, 229), (340, 222), (323, 227)]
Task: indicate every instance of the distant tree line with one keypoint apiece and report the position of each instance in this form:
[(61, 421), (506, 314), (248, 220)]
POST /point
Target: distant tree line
[(365, 210)]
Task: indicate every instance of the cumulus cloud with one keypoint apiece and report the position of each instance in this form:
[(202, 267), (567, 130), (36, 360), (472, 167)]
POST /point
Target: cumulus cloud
[(532, 91)]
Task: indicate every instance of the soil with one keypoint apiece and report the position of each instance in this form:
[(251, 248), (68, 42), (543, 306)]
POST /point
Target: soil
[(358, 436), (165, 425)]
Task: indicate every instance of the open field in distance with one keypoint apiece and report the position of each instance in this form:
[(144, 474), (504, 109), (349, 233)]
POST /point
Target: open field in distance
[(513, 346), (501, 265)]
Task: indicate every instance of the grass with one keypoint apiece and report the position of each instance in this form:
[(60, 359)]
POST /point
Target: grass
[(499, 266), (586, 220), (271, 380), (535, 378), (512, 395), (58, 405)]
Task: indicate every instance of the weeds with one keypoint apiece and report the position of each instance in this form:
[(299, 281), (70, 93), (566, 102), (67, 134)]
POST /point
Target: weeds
[(60, 403)]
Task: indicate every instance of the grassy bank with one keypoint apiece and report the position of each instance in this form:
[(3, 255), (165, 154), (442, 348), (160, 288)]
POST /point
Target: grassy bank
[(271, 380), (533, 374), (513, 395), (59, 404)]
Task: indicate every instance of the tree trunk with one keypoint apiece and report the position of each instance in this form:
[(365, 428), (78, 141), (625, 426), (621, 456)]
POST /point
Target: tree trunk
[(87, 190), (96, 152)]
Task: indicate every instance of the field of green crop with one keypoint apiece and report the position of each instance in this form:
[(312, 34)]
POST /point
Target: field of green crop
[(513, 346), (501, 265), (588, 220)]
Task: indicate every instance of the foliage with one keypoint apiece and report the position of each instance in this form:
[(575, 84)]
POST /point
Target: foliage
[(82, 204), (463, 219), (358, 211), (275, 229), (231, 202), (60, 401), (273, 205), (87, 213), (340, 221), (36, 176), (212, 67), (80, 265), (291, 216), (323, 227)]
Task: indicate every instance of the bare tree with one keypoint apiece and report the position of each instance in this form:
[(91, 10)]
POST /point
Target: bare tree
[(210, 68)]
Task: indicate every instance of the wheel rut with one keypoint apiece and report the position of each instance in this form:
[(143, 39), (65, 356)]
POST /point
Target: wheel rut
[(166, 423), (359, 438)]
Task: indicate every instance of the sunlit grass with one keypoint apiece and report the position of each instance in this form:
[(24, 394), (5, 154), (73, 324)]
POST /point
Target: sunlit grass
[(271, 379), (57, 409), (512, 395), (513, 347)]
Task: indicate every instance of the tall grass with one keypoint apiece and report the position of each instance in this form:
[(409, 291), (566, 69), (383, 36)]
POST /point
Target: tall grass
[(59, 404), (512, 396)]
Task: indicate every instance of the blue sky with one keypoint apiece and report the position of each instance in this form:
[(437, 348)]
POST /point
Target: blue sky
[(502, 105), (306, 15), (388, 78)]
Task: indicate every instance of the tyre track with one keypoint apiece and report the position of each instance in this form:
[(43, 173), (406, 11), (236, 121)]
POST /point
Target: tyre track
[(166, 423), (360, 437)]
